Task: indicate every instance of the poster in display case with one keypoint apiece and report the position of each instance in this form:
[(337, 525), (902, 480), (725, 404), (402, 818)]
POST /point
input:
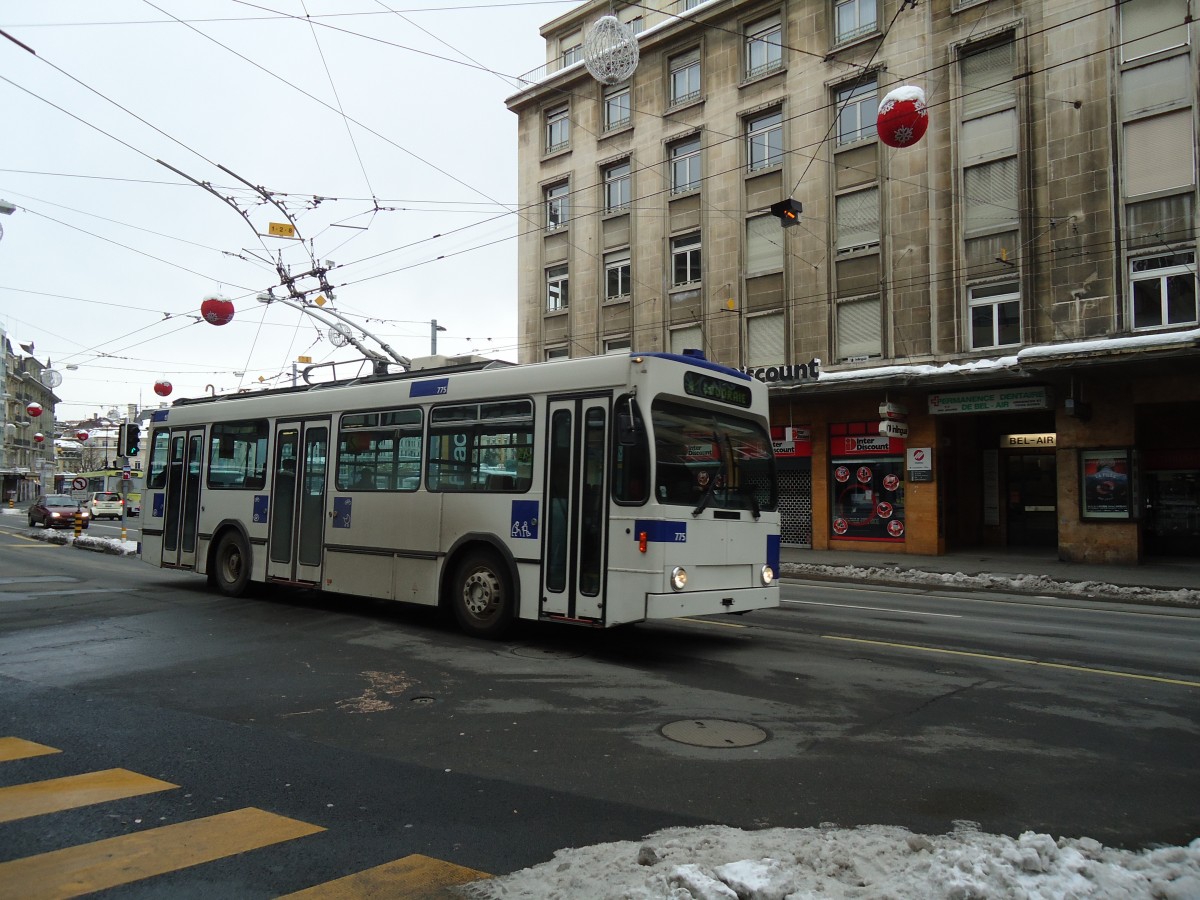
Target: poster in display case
[(1106, 490)]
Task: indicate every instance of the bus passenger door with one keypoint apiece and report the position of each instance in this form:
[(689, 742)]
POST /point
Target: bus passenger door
[(181, 505), (296, 542), (576, 509)]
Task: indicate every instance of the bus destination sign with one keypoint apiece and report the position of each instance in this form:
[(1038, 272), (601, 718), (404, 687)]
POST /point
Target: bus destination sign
[(710, 388)]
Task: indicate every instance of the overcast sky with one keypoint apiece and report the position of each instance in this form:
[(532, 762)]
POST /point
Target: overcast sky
[(109, 255)]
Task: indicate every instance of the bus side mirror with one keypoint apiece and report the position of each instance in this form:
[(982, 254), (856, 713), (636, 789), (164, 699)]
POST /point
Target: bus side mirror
[(629, 430)]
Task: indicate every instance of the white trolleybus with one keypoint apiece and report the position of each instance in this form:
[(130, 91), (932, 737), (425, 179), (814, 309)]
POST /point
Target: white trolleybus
[(596, 491)]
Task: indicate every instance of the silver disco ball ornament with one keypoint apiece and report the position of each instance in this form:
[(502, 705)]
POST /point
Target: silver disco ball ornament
[(610, 50)]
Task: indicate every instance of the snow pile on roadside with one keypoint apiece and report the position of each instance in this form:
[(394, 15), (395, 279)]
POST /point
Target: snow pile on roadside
[(114, 546), (873, 861), (1017, 584)]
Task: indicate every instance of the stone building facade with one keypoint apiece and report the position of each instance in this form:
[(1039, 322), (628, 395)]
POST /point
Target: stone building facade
[(27, 464), (1014, 293)]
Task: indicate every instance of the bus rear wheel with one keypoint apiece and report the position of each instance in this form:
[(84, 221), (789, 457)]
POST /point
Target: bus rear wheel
[(231, 565), (482, 600)]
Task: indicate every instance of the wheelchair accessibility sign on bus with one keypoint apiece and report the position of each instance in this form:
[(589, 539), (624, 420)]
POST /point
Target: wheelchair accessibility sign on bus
[(524, 519)]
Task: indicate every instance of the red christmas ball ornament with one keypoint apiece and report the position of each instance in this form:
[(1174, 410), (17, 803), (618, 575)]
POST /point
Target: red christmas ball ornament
[(163, 388), (81, 436), (38, 438), (902, 118), (34, 409), (217, 310)]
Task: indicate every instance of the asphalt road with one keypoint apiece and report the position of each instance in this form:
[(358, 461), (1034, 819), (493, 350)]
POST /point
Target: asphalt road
[(396, 735)]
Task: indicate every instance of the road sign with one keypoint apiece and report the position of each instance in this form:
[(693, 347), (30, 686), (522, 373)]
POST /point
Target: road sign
[(894, 411), (281, 229), (79, 484), (893, 429)]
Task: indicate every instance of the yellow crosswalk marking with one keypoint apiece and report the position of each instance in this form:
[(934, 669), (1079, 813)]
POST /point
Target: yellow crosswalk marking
[(21, 801), (414, 877), (15, 748), (74, 871)]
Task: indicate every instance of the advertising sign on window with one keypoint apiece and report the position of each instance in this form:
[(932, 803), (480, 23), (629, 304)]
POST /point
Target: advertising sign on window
[(867, 486)]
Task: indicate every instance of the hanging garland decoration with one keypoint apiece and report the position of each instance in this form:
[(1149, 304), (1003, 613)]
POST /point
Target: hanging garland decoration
[(610, 50), (903, 117)]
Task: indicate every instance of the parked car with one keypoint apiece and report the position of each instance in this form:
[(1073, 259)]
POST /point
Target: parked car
[(57, 511), (105, 505)]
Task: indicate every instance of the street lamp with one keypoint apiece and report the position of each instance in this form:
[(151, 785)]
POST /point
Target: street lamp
[(434, 328), (6, 209)]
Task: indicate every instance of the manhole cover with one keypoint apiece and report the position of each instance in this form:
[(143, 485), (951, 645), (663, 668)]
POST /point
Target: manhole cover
[(714, 733), (544, 653)]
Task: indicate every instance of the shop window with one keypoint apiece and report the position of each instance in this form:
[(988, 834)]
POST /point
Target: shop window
[(866, 485)]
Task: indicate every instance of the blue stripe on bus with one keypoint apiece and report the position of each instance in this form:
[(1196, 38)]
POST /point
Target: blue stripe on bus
[(429, 388), (660, 532), (773, 553)]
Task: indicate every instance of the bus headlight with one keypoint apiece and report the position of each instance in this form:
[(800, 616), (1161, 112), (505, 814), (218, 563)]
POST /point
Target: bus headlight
[(768, 575), (679, 578)]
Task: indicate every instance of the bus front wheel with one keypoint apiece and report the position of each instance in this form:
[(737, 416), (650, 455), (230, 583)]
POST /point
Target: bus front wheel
[(482, 599), (231, 565)]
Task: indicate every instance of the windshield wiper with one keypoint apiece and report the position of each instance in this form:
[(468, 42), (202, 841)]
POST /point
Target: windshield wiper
[(707, 495)]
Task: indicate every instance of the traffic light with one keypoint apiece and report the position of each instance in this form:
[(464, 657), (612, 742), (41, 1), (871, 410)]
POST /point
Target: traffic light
[(133, 440), (787, 211)]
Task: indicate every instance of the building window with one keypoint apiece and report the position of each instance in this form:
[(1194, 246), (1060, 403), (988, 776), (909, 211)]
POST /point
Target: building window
[(765, 344), (617, 187), (987, 79), (556, 288), (1159, 153), (685, 259), (859, 329), (614, 346), (1150, 26), (689, 337), (684, 71), (857, 110), (558, 129), (858, 220), (685, 165), (990, 196), (616, 275), (995, 311), (764, 245), (558, 205), (572, 48), (616, 107), (1163, 290), (764, 46), (854, 18), (764, 141), (557, 353)]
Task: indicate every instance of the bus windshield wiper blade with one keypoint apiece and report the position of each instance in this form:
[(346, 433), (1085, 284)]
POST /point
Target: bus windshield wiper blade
[(706, 496)]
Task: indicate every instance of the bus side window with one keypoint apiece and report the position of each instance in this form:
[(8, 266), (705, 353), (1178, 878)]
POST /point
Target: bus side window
[(630, 454), (156, 475)]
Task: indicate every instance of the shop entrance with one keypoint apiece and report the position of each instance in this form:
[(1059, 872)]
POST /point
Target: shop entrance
[(1031, 481)]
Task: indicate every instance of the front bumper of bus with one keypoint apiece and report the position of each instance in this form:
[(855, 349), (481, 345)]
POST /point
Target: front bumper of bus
[(707, 603)]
